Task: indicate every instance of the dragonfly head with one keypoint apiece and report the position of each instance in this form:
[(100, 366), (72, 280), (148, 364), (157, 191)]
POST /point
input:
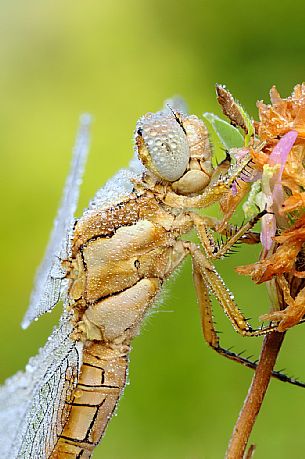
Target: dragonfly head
[(162, 145), (173, 147)]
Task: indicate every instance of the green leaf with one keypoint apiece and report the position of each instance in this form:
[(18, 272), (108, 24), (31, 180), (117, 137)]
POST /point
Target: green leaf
[(252, 204), (248, 123), (229, 136)]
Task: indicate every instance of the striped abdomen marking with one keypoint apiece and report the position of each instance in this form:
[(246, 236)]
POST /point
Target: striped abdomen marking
[(100, 385)]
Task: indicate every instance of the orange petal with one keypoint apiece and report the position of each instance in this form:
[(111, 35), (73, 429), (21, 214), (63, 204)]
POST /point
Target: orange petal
[(228, 202), (280, 262), (294, 202)]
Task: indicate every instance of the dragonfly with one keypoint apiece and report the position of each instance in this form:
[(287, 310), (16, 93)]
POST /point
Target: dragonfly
[(108, 267)]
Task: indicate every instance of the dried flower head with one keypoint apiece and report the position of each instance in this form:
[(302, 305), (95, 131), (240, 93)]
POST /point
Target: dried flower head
[(281, 117), (281, 191)]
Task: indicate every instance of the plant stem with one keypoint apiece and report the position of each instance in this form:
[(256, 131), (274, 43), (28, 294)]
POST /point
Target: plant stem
[(245, 422)]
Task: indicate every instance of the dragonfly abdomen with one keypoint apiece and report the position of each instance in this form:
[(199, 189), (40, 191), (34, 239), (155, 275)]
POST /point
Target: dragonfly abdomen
[(101, 383)]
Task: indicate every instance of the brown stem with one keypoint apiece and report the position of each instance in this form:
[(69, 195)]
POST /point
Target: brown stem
[(243, 427), (250, 452)]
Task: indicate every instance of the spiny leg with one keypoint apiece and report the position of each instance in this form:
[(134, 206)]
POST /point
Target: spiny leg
[(235, 235), (224, 297), (295, 309), (210, 334)]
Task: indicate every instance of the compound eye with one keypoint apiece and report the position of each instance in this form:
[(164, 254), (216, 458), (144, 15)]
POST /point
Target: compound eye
[(164, 148)]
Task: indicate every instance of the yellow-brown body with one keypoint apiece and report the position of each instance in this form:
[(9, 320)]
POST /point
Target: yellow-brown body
[(120, 259), (101, 381), (122, 252)]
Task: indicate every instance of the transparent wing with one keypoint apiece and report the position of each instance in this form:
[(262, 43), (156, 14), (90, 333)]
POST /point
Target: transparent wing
[(32, 412), (175, 103), (48, 283)]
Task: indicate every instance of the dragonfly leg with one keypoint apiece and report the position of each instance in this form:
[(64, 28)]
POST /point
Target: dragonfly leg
[(225, 298), (210, 334), (234, 235)]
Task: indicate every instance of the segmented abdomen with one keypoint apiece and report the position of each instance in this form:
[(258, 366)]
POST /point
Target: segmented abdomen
[(101, 383)]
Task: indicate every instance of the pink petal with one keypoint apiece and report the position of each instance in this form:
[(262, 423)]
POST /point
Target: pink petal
[(268, 230), (279, 155), (281, 151)]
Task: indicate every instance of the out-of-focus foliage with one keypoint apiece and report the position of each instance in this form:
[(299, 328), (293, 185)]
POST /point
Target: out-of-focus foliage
[(119, 60)]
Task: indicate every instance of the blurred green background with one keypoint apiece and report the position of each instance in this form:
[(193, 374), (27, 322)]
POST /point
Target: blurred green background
[(118, 60)]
